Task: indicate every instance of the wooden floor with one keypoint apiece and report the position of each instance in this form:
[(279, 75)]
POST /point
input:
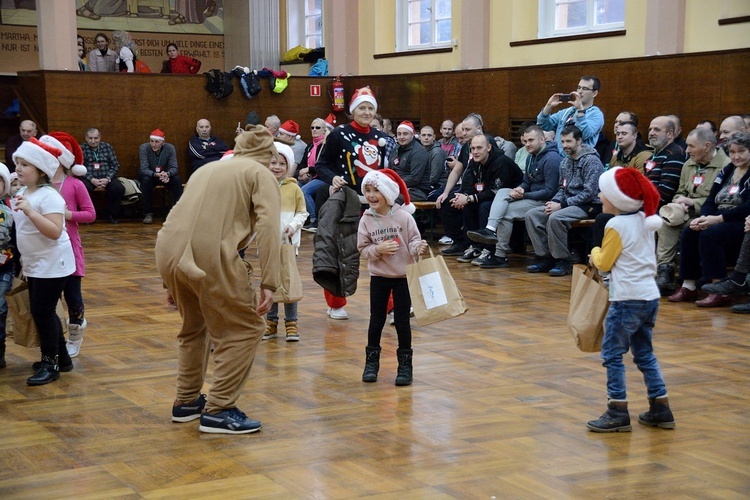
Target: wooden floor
[(497, 410)]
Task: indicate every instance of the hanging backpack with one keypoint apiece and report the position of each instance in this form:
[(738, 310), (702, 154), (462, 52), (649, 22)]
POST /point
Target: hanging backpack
[(132, 191), (219, 84), (248, 80)]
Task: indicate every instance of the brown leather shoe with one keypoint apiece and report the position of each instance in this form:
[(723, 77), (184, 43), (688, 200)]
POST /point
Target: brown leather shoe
[(683, 295), (714, 300)]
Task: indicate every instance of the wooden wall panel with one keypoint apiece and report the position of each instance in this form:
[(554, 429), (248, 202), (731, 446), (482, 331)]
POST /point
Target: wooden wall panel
[(127, 107)]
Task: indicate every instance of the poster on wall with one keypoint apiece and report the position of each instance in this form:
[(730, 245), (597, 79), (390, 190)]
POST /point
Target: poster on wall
[(196, 27)]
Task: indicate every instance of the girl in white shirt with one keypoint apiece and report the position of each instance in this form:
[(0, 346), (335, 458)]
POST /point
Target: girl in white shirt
[(46, 253)]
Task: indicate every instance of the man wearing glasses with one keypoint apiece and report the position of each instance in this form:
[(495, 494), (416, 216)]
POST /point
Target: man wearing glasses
[(582, 113)]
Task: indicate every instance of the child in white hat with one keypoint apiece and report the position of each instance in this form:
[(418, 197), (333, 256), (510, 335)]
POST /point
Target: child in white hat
[(627, 251), (39, 215)]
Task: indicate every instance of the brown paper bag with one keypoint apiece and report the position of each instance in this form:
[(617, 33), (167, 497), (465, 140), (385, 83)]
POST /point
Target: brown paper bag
[(20, 324), (434, 294), (589, 301), (291, 283)]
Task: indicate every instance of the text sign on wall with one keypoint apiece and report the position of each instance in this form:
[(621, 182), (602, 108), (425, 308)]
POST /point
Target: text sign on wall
[(314, 90)]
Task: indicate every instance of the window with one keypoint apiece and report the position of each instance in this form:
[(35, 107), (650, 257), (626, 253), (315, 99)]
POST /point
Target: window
[(423, 24), (572, 17), (304, 23)]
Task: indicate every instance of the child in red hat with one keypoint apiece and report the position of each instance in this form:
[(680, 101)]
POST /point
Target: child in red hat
[(627, 252), (389, 239)]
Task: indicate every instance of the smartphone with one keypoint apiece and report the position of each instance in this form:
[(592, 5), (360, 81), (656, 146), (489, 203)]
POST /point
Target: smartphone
[(565, 97)]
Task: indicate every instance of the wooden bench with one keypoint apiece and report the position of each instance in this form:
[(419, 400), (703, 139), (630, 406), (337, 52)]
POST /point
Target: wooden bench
[(428, 207)]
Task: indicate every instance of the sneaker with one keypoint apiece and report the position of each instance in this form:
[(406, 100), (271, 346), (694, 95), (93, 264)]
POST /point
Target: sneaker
[(149, 219), (484, 235), (190, 411), (562, 268), (542, 266), (469, 254), (311, 227), (454, 249), (483, 256), (75, 338), (446, 240), (337, 313), (494, 262), (231, 421), (726, 287)]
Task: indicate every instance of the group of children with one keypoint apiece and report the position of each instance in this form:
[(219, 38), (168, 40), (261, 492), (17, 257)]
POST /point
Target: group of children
[(40, 224)]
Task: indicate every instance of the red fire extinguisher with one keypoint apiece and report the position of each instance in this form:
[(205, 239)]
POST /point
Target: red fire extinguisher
[(336, 93)]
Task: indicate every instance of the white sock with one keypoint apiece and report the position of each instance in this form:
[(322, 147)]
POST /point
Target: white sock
[(689, 284)]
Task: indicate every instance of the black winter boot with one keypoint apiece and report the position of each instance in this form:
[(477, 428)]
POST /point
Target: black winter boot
[(665, 278), (615, 419), (404, 375), (372, 364), (658, 414), (48, 372)]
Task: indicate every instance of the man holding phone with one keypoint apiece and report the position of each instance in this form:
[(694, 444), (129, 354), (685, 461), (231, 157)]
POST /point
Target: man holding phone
[(582, 113)]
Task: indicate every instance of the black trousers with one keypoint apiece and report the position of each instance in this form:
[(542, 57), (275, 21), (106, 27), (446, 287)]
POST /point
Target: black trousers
[(44, 293), (148, 184), (380, 290), (114, 191)]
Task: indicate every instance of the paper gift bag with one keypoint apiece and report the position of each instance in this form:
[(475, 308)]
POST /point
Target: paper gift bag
[(434, 294), (291, 283), (20, 324), (589, 301)]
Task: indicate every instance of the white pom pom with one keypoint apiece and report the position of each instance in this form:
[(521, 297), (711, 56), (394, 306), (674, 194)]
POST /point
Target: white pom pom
[(382, 142), (410, 208), (298, 136), (653, 223), (78, 170), (246, 70)]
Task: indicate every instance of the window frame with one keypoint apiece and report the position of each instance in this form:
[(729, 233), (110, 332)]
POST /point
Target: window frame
[(547, 11), (402, 28), (296, 24)]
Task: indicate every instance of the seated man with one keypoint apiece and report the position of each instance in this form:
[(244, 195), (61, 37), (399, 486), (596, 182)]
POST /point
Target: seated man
[(289, 134), (665, 166), (448, 140), (437, 155), (102, 168), (697, 178), (411, 162), (577, 199), (26, 130), (205, 148), (488, 171), (158, 168), (540, 181)]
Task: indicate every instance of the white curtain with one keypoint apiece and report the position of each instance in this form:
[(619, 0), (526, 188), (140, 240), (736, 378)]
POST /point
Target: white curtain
[(264, 34)]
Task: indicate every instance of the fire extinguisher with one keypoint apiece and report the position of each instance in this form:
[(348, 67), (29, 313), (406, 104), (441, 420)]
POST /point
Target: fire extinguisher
[(336, 93)]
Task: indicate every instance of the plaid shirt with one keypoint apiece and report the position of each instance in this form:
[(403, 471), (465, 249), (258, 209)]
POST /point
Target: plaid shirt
[(105, 157)]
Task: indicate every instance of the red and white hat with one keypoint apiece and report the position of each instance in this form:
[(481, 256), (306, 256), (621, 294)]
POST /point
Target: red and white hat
[(406, 125), (72, 156), (43, 156), (286, 152), (157, 135), (5, 176), (330, 121), (290, 127), (228, 155), (390, 185), (362, 95), (629, 190)]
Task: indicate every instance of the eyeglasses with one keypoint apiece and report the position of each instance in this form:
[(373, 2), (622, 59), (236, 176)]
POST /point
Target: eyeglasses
[(315, 127), (584, 88)]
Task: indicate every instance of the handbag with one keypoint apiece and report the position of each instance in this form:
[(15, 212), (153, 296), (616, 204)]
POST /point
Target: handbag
[(20, 323), (589, 301), (290, 289), (434, 295)]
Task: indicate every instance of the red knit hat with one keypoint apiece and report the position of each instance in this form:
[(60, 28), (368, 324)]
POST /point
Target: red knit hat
[(406, 124), (629, 190), (390, 185), (330, 121), (157, 135), (362, 95), (68, 142), (290, 127)]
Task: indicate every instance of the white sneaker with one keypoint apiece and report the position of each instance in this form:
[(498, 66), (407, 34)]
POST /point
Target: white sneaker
[(446, 240), (337, 313), (75, 338)]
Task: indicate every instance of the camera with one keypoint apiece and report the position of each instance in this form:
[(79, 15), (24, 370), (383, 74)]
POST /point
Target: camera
[(565, 97)]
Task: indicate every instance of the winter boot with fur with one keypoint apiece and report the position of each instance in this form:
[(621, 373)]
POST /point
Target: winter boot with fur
[(404, 373), (658, 414), (372, 364), (75, 338), (615, 419)]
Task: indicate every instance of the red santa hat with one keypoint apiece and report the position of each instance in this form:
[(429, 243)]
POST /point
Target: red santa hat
[(228, 155), (72, 157), (5, 176), (157, 135), (330, 121), (629, 190), (43, 156), (406, 125), (362, 95), (390, 185), (290, 127)]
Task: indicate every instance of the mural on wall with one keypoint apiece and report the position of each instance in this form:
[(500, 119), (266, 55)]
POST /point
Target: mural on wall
[(195, 26)]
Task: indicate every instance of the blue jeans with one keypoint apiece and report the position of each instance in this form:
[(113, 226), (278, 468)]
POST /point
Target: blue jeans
[(6, 283), (290, 312), (309, 191), (629, 326)]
